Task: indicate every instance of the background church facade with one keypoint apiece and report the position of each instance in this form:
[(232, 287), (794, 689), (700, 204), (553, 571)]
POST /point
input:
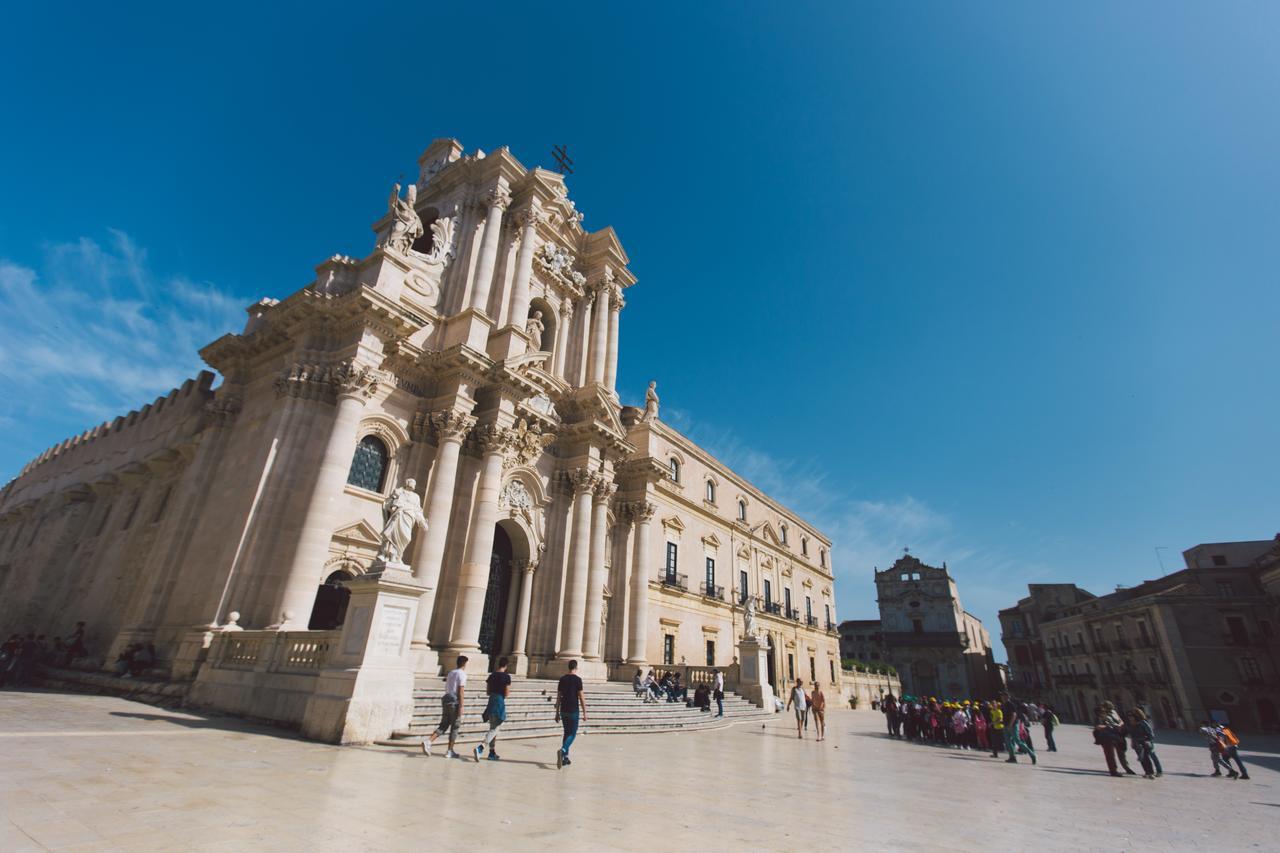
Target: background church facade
[(473, 351)]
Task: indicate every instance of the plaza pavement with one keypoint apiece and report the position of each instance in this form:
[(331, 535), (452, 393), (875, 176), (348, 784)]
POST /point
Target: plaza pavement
[(102, 773)]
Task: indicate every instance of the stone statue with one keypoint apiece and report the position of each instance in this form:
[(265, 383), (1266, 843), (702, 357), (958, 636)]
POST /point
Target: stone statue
[(650, 403), (403, 510), (749, 617), (534, 329), (406, 225)]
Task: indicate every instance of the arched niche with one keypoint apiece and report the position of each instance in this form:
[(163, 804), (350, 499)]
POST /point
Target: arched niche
[(550, 322)]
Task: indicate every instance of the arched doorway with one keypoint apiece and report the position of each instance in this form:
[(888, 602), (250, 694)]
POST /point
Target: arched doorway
[(330, 609), (773, 678), (495, 598)]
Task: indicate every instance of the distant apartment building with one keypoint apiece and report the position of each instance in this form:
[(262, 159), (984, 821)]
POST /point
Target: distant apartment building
[(1199, 642), (860, 640), (1020, 633)]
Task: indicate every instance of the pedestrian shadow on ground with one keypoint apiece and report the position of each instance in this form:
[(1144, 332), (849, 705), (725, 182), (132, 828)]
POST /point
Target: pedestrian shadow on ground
[(228, 725), (544, 765)]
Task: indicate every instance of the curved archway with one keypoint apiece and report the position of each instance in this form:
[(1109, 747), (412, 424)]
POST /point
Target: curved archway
[(550, 322), (510, 553), (330, 608)]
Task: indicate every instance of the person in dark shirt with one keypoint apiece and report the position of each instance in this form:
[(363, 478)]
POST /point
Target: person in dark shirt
[(1014, 719), (571, 707), (498, 686)]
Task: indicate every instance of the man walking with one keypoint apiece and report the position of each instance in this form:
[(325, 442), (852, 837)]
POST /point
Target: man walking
[(571, 707), (718, 693), (498, 686), (819, 705), (798, 699), (455, 684), (1014, 720)]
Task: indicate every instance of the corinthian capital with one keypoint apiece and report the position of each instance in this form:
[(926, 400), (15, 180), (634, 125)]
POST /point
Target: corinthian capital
[(495, 439), (604, 489), (356, 380), (451, 424), (616, 302), (498, 197), (581, 480), (531, 216), (641, 510)]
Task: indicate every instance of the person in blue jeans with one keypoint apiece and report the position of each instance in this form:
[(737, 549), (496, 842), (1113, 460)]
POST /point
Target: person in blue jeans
[(1144, 743), (571, 707)]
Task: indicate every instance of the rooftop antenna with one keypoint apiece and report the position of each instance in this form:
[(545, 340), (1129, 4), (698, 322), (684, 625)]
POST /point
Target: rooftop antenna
[(1159, 559), (561, 153)]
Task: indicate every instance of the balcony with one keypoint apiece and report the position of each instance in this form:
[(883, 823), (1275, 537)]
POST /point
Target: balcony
[(793, 614), (831, 627), (811, 621), (710, 590), (1101, 646), (1122, 645), (925, 638), (1085, 679), (675, 580), (773, 608), (1145, 643), (1055, 652)]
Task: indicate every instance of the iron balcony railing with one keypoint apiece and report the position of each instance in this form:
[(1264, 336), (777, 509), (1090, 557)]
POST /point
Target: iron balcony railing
[(793, 614), (710, 590), (773, 607), (675, 579), (811, 621)]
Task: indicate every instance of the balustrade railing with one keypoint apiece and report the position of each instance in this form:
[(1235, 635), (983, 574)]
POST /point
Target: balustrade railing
[(710, 590), (675, 580), (273, 651)]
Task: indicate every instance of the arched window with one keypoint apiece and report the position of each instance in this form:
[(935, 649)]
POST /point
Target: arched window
[(369, 464), (742, 510), (822, 557), (784, 534), (804, 545), (675, 469), (711, 492)]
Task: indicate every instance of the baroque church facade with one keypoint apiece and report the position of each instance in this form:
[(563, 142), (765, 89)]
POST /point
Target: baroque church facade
[(471, 357)]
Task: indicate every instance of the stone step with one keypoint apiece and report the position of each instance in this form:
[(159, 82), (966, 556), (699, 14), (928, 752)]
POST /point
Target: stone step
[(470, 734)]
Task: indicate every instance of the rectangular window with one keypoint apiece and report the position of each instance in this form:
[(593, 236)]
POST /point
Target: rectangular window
[(1264, 626), (1219, 560), (786, 600), (129, 518), (711, 652), (917, 626), (711, 576), (828, 613), (768, 593), (164, 502), (1142, 632), (1154, 664), (743, 592), (808, 607), (1225, 589), (671, 561), (791, 667), (813, 670), (1250, 670), (1119, 631), (832, 664), (668, 649), (1239, 635)]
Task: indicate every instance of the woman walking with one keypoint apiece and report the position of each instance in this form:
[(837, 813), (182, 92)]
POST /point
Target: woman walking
[(1144, 743), (498, 686), (1108, 733), (1050, 722)]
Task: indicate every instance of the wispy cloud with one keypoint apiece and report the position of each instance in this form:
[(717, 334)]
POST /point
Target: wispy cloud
[(95, 332)]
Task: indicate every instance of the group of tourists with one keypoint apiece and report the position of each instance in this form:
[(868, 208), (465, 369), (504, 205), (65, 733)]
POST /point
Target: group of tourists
[(21, 653), (669, 687), (809, 703), (1005, 723), (571, 710)]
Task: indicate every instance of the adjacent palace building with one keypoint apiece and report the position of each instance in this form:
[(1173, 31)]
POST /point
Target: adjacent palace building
[(473, 354)]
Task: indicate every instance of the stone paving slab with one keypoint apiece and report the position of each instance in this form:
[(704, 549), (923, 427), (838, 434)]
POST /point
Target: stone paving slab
[(103, 773)]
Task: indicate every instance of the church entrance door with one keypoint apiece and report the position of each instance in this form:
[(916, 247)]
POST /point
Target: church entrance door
[(496, 599)]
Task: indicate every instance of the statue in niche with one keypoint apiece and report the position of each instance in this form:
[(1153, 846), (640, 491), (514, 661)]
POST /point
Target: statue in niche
[(403, 510), (406, 225), (650, 403), (534, 329), (749, 618)]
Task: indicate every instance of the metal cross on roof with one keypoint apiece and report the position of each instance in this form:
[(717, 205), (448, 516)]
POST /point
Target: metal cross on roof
[(561, 154)]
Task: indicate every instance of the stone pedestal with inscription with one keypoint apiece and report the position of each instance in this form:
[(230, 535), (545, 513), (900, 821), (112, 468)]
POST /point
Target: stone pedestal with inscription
[(753, 673), (365, 691)]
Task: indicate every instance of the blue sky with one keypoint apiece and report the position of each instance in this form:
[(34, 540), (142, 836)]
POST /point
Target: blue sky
[(993, 281)]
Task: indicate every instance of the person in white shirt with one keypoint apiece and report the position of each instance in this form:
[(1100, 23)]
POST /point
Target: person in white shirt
[(801, 702), (718, 693), (455, 686)]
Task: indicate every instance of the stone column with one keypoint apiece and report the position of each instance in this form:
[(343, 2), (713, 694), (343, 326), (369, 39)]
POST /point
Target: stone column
[(563, 336), (600, 335), (451, 428), (498, 200), (513, 596), (522, 615), (616, 304), (473, 582), (583, 482), (584, 352), (354, 386), (519, 308), (597, 573), (637, 650)]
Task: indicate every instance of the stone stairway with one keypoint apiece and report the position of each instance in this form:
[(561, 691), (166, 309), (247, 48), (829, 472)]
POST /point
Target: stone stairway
[(612, 708)]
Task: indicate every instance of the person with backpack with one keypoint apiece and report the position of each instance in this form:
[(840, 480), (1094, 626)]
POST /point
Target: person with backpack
[(1229, 749), (1108, 733), (1050, 722), (1143, 738)]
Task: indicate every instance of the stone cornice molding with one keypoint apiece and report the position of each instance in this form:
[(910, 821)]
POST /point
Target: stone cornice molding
[(223, 409)]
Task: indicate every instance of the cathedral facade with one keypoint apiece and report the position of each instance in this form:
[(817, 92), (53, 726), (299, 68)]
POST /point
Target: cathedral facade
[(471, 357)]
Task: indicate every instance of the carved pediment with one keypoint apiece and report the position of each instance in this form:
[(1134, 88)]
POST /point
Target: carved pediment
[(674, 524), (362, 533), (745, 552), (767, 532), (711, 541)]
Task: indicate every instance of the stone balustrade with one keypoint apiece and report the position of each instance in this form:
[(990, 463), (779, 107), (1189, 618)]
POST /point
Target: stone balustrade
[(298, 652)]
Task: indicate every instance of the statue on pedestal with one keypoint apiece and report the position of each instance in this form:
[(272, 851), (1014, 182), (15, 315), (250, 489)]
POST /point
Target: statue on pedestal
[(650, 403), (534, 329), (406, 225), (749, 617), (403, 509)]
